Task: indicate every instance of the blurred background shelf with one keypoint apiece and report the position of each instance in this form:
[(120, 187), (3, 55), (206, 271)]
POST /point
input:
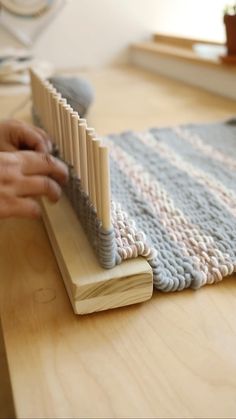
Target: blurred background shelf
[(192, 61)]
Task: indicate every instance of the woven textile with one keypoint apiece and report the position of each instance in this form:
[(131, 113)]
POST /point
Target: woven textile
[(174, 202)]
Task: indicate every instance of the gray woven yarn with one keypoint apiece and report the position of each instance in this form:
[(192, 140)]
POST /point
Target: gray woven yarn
[(78, 92)]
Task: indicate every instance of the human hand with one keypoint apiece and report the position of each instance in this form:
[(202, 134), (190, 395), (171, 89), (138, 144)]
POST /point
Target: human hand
[(17, 135), (25, 175)]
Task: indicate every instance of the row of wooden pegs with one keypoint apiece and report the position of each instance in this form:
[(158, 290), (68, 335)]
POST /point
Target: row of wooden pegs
[(77, 144)]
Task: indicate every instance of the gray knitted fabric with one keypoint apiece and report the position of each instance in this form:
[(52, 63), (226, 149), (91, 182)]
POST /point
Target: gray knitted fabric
[(179, 186)]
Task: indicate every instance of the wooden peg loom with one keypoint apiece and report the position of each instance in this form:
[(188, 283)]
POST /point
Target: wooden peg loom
[(91, 285)]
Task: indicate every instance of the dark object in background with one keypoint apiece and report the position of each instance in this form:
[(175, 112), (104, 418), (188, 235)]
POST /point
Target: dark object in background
[(230, 27), (78, 92)]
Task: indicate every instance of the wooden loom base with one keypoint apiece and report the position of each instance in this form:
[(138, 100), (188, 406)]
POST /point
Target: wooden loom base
[(90, 287)]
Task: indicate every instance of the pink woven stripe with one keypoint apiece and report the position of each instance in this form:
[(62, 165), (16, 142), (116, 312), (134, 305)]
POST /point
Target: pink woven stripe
[(197, 143)]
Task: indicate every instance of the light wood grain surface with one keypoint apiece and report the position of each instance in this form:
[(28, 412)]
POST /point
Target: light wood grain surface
[(6, 401), (173, 356)]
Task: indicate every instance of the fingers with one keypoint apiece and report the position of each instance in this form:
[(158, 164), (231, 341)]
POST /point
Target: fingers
[(45, 137), (39, 186), (21, 207), (43, 164), (34, 138), (25, 175), (17, 135)]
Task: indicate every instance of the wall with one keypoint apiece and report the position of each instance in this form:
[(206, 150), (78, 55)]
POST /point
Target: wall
[(90, 33)]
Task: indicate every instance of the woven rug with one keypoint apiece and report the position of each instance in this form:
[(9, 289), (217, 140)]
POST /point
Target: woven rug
[(174, 201)]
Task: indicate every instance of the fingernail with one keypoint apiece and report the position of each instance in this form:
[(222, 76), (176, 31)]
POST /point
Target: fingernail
[(66, 172), (57, 192), (36, 212), (49, 143)]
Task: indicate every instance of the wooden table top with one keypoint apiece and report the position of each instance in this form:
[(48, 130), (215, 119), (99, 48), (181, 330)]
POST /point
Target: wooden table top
[(173, 356)]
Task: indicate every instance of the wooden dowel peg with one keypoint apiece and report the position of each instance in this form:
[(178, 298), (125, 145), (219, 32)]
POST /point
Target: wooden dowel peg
[(57, 98), (62, 103), (69, 110), (54, 121), (83, 155), (93, 179), (105, 187), (91, 187), (50, 91), (75, 142), (66, 134), (40, 104), (95, 145), (47, 104), (55, 105), (43, 108)]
